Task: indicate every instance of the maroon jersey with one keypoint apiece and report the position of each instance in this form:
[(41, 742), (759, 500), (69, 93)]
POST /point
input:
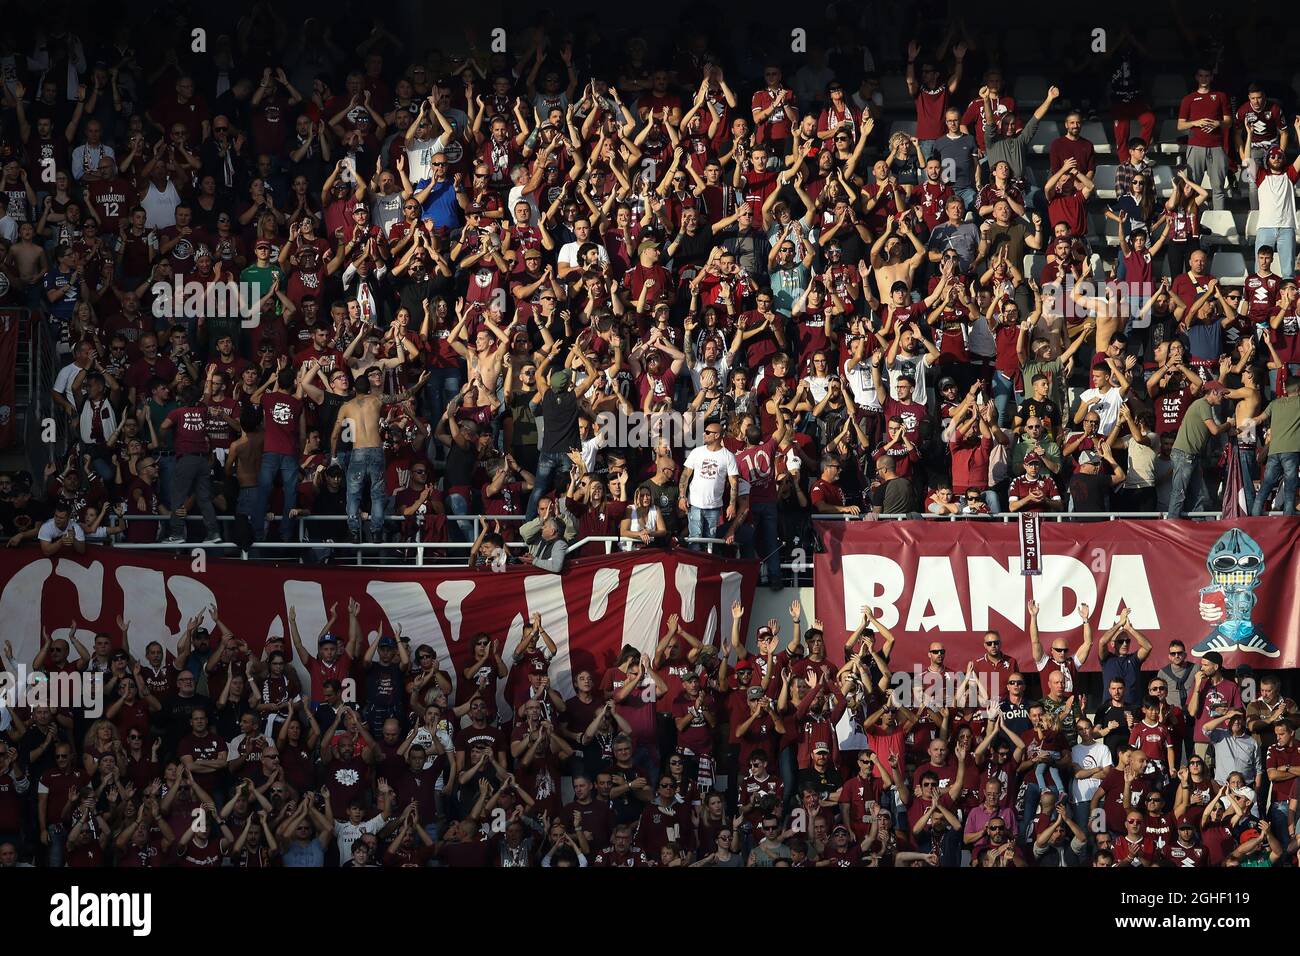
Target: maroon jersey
[(1023, 486), (1261, 294)]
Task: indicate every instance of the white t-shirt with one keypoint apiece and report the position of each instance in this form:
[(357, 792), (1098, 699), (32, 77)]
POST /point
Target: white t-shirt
[(346, 833), (419, 158), (710, 471), (569, 252), (1088, 757), (63, 383), (50, 531), (914, 366), (1107, 408)]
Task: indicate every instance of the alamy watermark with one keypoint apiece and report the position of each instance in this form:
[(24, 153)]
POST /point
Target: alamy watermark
[(212, 300), (76, 690), (939, 689), (646, 429)]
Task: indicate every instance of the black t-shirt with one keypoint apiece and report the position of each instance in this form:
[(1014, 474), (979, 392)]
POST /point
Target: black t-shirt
[(1088, 492), (664, 497), (560, 415), (1044, 409), (328, 415), (825, 782), (383, 684), (15, 519)]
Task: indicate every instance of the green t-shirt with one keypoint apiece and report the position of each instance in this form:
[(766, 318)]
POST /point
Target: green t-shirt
[(1055, 380), (256, 282), (524, 432), (1284, 426), (1193, 437)]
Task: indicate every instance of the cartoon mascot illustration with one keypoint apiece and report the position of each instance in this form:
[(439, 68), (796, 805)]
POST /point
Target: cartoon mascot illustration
[(1236, 564)]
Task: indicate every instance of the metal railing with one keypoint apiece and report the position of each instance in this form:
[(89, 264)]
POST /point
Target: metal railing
[(376, 554), (39, 367)]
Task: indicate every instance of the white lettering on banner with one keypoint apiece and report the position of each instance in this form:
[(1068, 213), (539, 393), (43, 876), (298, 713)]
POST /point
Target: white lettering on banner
[(153, 601), (937, 602), (686, 591)]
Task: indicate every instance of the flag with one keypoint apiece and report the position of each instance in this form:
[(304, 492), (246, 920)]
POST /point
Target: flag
[(1232, 487)]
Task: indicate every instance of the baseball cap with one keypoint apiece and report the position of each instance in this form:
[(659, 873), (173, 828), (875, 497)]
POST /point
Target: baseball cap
[(387, 641), (646, 246), (744, 666), (1215, 386), (475, 207), (1089, 458), (327, 639), (1247, 835), (821, 747), (1033, 458), (1276, 153), (764, 631), (560, 378), (946, 382), (539, 666), (1214, 657), (755, 693), (690, 675)]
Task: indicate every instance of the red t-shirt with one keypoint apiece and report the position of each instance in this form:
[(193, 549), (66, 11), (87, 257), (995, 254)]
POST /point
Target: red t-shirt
[(280, 413), (1199, 106), (190, 430)]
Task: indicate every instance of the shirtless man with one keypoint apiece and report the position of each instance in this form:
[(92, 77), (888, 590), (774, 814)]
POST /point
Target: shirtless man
[(889, 259), (360, 417), (1110, 310), (483, 357), (1249, 401), (244, 461), (29, 257)]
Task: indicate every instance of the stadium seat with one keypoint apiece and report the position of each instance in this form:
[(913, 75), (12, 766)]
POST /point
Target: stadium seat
[(1164, 181), (1168, 90), (1042, 141), (1033, 264), (902, 126), (1096, 134), (1219, 228), (893, 88), (1228, 267), (1252, 225), (1105, 182), (1172, 141), (1029, 90)]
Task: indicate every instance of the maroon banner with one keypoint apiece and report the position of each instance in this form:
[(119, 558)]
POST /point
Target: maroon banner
[(1031, 551), (8, 377), (1228, 586), (594, 608)]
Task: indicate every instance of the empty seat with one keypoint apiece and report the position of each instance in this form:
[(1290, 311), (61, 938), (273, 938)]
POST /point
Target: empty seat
[(1252, 224), (1219, 228), (893, 88), (1228, 267), (1164, 181), (907, 127), (1168, 90), (1030, 90), (1171, 140), (1033, 264), (1104, 179), (1095, 133), (1043, 136)]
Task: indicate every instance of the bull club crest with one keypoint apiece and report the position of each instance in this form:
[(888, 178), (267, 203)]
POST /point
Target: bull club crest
[(1236, 564)]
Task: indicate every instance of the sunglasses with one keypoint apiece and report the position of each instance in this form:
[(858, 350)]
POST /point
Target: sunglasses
[(992, 643), (939, 651), (1015, 683)]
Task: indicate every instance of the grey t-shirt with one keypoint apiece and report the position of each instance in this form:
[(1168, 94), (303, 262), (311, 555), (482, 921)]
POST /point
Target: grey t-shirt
[(957, 157)]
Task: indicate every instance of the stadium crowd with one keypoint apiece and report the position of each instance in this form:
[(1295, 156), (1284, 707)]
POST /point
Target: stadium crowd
[(654, 292), (745, 753)]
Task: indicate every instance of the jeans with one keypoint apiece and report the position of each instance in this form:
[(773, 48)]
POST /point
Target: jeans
[(286, 466), (458, 530), (1211, 159), (767, 539), (1187, 484), (702, 523), (441, 388), (166, 464), (58, 844), (1280, 467), (1283, 243), (927, 145), (192, 474), (366, 462), (549, 465), (1004, 396), (1249, 473)]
